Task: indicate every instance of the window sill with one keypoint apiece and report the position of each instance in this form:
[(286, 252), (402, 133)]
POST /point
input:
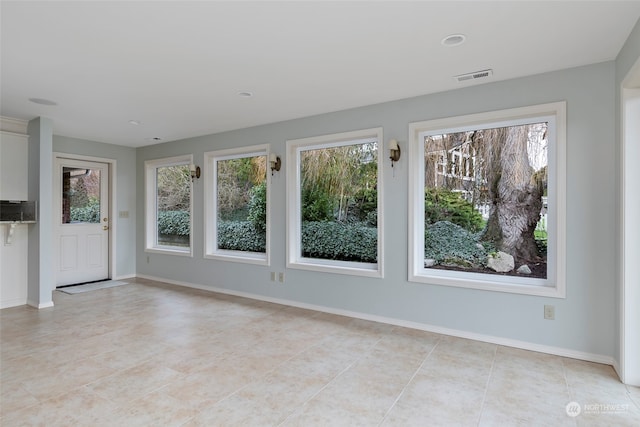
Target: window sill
[(534, 287), (239, 256), (337, 267), (170, 251)]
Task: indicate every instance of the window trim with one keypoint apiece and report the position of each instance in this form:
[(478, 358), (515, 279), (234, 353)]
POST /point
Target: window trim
[(211, 250), (151, 213), (555, 284), (293, 202)]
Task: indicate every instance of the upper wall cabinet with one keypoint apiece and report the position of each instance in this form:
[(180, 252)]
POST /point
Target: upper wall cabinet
[(14, 150)]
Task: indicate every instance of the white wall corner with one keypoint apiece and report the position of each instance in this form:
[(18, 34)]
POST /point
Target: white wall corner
[(40, 305)]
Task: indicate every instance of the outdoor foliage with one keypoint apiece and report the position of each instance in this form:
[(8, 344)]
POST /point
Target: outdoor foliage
[(241, 236), (490, 182), (173, 188), (338, 241), (235, 180), (258, 206), (449, 243), (88, 213), (441, 204), (339, 202), (339, 183), (316, 206), (174, 223)]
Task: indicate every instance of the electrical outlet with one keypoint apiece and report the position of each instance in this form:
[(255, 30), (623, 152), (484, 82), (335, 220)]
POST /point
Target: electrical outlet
[(273, 276), (281, 277), (549, 312), (147, 259)]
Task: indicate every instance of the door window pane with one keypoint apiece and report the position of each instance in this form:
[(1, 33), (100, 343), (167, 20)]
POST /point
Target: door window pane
[(80, 195)]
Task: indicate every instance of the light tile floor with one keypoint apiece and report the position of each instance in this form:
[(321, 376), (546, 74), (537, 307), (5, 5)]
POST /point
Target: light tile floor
[(151, 354)]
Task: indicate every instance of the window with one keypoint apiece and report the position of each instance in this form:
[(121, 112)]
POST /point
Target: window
[(81, 195), (334, 215), (236, 198), (168, 205), (487, 200)]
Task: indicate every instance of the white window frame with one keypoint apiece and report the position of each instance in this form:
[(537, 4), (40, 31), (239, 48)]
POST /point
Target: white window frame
[(294, 218), (211, 250), (151, 206), (554, 285)]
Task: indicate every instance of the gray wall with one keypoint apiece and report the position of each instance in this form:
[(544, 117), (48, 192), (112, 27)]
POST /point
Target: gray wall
[(125, 191), (584, 321), (40, 282)]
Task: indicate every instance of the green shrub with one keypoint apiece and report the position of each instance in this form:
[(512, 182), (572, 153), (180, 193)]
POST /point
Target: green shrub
[(446, 242), (366, 204), (174, 223), (338, 241), (89, 213), (446, 205), (258, 206), (372, 219), (241, 236), (316, 206)]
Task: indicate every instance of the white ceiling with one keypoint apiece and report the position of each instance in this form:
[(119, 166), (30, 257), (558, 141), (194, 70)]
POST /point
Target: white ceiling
[(177, 67)]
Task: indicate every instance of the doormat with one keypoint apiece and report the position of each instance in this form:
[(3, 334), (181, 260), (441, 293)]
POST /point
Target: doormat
[(91, 287)]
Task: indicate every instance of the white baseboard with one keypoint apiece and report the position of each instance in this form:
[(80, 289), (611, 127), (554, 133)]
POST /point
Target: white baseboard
[(124, 277), (507, 342), (40, 305), (616, 367)]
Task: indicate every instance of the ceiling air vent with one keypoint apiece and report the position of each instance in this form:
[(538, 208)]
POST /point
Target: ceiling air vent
[(474, 76)]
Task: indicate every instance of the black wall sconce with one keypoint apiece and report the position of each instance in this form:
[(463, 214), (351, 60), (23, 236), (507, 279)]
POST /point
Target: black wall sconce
[(275, 163), (195, 172), (394, 151)]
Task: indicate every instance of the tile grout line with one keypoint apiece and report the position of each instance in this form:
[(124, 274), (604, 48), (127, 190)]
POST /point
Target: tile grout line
[(631, 398), (486, 387), (327, 384), (409, 382), (263, 376), (568, 387)]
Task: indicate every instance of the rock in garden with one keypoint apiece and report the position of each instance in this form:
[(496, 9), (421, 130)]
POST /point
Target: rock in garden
[(501, 262), (429, 262), (524, 269)]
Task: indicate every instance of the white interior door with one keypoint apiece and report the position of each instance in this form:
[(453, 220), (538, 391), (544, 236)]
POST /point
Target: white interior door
[(81, 194)]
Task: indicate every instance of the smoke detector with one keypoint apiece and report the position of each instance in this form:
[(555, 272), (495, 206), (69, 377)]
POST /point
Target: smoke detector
[(476, 75)]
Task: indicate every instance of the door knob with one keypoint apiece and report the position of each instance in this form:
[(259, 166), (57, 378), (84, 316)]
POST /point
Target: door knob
[(105, 227)]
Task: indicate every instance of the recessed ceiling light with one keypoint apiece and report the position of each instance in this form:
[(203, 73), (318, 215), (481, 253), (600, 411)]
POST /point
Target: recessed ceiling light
[(42, 101), (453, 40), (245, 94), (134, 122)]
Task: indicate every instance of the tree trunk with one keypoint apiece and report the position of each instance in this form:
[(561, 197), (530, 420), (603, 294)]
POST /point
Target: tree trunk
[(514, 192)]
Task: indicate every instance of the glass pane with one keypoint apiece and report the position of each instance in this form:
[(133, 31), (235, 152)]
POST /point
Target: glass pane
[(242, 204), (339, 203), (80, 195), (485, 201), (173, 197)]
